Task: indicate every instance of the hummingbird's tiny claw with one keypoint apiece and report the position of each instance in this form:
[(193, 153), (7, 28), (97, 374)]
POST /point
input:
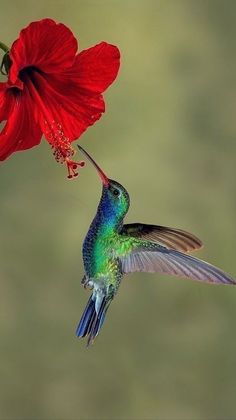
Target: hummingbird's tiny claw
[(87, 283)]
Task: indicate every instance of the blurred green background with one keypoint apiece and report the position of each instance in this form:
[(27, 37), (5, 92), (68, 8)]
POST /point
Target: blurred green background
[(168, 347)]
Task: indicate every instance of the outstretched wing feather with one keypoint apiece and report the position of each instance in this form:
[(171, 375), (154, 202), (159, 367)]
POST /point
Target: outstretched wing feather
[(172, 262), (165, 236)]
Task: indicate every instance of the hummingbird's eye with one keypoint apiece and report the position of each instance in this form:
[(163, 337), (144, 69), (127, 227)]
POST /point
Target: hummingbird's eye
[(116, 192)]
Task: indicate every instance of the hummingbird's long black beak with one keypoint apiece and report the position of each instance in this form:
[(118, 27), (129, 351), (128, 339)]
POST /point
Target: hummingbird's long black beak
[(102, 175)]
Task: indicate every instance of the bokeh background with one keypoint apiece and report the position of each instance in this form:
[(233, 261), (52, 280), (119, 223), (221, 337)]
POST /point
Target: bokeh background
[(168, 347)]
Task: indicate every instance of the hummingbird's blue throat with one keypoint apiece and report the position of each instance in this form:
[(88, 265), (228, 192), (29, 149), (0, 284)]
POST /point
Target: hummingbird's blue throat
[(108, 213)]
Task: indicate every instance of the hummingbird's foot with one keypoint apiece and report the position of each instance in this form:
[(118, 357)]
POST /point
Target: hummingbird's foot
[(87, 283)]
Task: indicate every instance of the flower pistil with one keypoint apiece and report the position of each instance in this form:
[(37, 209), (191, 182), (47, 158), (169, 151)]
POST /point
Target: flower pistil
[(62, 149)]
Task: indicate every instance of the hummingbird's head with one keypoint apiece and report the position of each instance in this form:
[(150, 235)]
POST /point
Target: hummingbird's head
[(115, 198)]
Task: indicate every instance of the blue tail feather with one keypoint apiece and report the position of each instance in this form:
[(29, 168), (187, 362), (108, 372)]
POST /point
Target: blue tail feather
[(86, 317), (92, 320)]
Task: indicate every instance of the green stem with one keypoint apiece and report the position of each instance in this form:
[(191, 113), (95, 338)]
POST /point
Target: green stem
[(4, 47)]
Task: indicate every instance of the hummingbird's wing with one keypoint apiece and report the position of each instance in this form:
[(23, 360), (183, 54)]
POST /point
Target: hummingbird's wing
[(152, 258), (172, 238)]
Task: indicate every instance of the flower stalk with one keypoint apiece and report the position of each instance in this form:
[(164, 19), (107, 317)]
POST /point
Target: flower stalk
[(4, 47), (5, 65)]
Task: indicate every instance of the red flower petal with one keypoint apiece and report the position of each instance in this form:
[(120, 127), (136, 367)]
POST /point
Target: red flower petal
[(73, 98), (96, 68), (20, 131), (64, 104), (49, 46), (5, 102)]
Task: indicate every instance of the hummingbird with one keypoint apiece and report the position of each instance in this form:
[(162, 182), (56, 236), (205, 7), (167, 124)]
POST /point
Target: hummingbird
[(112, 249)]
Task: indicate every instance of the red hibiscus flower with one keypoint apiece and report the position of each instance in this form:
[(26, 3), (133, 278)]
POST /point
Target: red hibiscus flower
[(52, 90)]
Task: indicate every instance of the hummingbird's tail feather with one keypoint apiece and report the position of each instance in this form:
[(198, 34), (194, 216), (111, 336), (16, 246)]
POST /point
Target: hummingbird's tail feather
[(86, 318), (93, 317)]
